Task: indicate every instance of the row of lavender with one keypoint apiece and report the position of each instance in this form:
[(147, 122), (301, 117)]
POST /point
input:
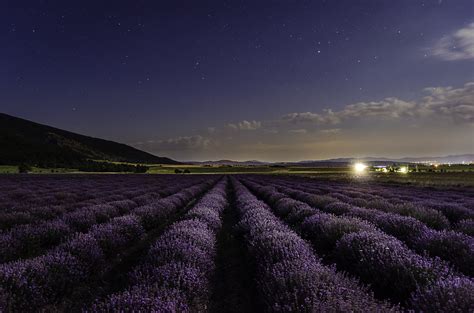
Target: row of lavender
[(44, 281), (361, 248), (429, 207), (452, 246), (23, 192), (289, 276), (463, 197), (28, 200), (32, 239), (176, 274)]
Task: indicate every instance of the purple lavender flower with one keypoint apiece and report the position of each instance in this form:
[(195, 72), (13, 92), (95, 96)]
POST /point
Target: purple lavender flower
[(454, 294)]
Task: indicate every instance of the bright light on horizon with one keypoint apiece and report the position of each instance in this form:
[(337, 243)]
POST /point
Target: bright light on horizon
[(360, 167)]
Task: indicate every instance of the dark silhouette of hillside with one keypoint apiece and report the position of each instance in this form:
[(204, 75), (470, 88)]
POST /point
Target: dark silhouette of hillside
[(23, 141)]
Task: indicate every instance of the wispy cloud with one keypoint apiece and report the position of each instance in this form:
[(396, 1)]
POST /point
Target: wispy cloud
[(448, 102), (211, 130), (456, 46), (270, 131), (386, 109), (298, 131), (454, 105), (245, 125), (177, 143), (331, 131), (326, 117)]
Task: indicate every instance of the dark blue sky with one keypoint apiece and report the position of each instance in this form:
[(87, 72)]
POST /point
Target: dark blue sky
[(181, 78)]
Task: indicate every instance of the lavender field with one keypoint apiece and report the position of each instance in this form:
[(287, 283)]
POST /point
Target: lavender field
[(238, 243)]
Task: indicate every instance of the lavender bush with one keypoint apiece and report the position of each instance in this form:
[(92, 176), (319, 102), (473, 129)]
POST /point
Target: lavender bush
[(44, 280), (180, 263), (160, 243), (290, 277)]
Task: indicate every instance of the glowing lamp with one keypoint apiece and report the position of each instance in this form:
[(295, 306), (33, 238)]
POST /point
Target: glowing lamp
[(359, 167)]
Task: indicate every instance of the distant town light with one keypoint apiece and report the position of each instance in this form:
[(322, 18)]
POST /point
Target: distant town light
[(360, 167), (404, 169)]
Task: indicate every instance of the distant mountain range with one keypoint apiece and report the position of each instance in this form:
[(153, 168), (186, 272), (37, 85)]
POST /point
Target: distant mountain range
[(229, 162), (445, 159), (23, 141), (381, 160), (344, 161)]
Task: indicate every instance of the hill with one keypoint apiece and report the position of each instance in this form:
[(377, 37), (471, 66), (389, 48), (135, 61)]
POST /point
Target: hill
[(344, 162), (23, 141), (454, 159), (230, 162)]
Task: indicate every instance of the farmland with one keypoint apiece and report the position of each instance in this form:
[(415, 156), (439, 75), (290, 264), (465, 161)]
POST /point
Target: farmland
[(233, 243)]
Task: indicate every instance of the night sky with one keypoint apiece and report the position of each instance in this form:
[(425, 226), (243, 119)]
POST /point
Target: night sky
[(268, 80)]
